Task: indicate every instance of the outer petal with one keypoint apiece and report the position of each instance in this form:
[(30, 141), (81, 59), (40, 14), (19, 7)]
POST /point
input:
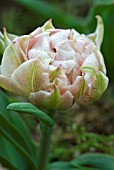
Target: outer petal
[(95, 86), (30, 77), (100, 84), (48, 100), (9, 59), (97, 36), (100, 59), (90, 62), (52, 100), (66, 101), (9, 85)]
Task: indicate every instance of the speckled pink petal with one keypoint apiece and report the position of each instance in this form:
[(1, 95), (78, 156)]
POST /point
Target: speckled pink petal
[(42, 42), (29, 76), (36, 32), (9, 85), (58, 36), (33, 54), (48, 100), (90, 64), (64, 51), (66, 101), (10, 62), (100, 59), (77, 88), (67, 66)]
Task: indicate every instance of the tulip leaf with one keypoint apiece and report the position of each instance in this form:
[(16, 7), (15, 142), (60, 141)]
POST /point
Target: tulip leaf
[(15, 133), (20, 149), (61, 166), (14, 125), (32, 110), (14, 130), (95, 160), (67, 166), (10, 157)]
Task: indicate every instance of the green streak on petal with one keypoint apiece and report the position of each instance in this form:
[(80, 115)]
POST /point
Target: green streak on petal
[(54, 74), (101, 83), (88, 69), (81, 90), (47, 100)]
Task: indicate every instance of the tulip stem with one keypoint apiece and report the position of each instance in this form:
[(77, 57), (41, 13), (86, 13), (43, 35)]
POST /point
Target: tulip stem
[(44, 147)]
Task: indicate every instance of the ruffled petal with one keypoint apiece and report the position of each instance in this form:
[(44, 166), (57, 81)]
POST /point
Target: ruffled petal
[(95, 87), (30, 76), (90, 64), (10, 86), (66, 101), (44, 99), (42, 42), (64, 51), (67, 66), (10, 62), (57, 36)]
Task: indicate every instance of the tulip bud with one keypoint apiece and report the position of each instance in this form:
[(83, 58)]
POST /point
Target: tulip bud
[(55, 68)]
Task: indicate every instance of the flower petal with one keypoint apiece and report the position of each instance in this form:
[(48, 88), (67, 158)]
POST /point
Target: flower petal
[(10, 86), (66, 101), (64, 51), (48, 100), (57, 36), (67, 65), (42, 42), (29, 76), (9, 59), (90, 62), (97, 36)]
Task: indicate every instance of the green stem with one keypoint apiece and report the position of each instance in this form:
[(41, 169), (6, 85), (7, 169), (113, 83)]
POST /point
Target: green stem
[(45, 141)]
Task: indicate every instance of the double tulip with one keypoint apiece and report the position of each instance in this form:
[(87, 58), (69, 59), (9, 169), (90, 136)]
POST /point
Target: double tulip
[(55, 68)]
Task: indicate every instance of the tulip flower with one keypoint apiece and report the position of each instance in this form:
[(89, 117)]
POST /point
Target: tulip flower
[(55, 68)]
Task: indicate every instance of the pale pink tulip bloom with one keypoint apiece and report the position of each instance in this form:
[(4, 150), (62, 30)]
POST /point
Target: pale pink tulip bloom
[(55, 68)]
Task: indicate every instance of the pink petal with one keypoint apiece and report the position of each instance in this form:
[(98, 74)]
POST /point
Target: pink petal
[(67, 66), (36, 32), (29, 76), (64, 51), (58, 36), (90, 62), (42, 42), (44, 99), (66, 101), (10, 86), (10, 61)]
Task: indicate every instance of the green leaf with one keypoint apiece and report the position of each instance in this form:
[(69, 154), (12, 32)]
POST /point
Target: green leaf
[(10, 158), (32, 110), (20, 149), (15, 125), (95, 160), (61, 166), (15, 131)]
